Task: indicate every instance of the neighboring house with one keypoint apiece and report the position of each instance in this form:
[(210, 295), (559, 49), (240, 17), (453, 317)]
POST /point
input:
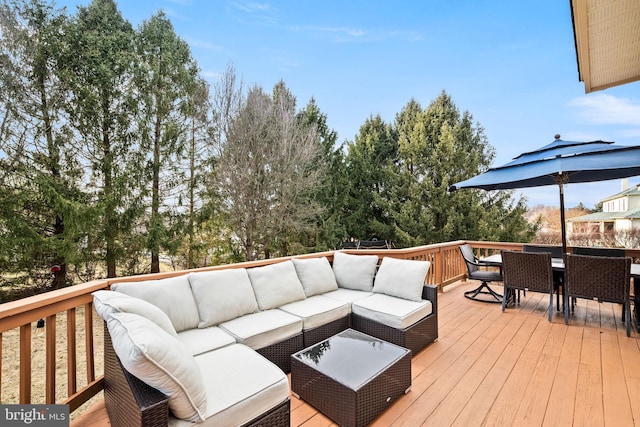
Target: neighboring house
[(620, 212)]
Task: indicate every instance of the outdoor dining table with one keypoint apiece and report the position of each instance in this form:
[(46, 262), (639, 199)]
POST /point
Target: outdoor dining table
[(558, 265)]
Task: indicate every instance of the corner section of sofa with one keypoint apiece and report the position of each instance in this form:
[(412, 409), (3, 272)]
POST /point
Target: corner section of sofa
[(415, 337), (132, 402)]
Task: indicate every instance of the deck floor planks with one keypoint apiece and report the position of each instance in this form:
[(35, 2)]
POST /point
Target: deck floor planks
[(472, 414), (562, 396), (630, 355), (588, 409), (435, 359), (473, 378), (504, 409), (470, 347), (615, 399), (532, 408), (596, 369)]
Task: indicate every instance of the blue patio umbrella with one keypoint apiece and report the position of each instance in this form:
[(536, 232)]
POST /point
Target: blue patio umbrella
[(560, 163)]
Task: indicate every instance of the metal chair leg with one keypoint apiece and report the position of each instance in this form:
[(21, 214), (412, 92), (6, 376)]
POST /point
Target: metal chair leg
[(486, 290)]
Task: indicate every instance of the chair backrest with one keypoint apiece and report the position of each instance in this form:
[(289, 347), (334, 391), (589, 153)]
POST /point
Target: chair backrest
[(555, 251), (527, 270), (469, 258), (610, 252), (604, 278)]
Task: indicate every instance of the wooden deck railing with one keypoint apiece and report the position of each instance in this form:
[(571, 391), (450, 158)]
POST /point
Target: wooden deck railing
[(70, 354)]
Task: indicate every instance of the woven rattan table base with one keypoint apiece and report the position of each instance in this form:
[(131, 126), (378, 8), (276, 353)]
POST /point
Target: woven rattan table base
[(345, 406)]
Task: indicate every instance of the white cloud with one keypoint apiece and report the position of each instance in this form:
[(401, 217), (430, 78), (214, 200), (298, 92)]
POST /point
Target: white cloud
[(202, 44), (211, 75), (606, 109), (251, 7)]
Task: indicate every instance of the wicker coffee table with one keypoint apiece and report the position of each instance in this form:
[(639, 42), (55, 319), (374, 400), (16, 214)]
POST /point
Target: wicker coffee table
[(351, 377)]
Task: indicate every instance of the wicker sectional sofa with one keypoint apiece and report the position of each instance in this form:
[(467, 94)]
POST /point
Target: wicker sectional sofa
[(213, 347)]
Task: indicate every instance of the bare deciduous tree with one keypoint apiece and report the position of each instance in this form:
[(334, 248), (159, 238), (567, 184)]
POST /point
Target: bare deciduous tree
[(264, 176)]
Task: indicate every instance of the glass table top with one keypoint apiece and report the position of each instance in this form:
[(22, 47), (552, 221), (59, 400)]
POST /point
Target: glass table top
[(351, 357)]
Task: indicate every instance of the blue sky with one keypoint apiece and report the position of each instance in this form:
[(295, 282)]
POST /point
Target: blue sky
[(512, 65)]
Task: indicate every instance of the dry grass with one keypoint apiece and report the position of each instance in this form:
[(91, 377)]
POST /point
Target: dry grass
[(9, 386)]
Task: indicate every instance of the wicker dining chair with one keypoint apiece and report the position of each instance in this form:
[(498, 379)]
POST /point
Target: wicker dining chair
[(484, 276), (558, 276), (605, 279), (529, 271), (594, 251), (610, 252)]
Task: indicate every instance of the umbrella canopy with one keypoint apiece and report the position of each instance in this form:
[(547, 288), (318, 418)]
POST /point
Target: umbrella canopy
[(559, 163)]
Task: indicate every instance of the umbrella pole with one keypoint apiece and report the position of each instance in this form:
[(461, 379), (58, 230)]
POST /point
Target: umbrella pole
[(562, 223)]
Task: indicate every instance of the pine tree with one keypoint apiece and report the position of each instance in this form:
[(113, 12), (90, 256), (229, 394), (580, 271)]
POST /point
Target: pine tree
[(101, 57), (166, 79), (41, 205)]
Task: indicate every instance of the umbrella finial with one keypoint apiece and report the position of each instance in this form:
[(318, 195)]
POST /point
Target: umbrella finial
[(557, 137)]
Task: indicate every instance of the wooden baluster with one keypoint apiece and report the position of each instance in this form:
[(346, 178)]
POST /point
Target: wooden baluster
[(0, 366), (71, 352), (25, 363), (50, 359), (88, 334)]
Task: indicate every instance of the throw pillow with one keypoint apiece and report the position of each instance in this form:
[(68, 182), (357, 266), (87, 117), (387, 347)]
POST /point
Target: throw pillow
[(109, 302), (158, 359), (402, 278), (355, 271), (316, 275), (222, 295), (276, 284)]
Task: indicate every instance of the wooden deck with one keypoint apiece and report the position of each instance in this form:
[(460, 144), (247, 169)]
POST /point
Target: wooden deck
[(490, 368)]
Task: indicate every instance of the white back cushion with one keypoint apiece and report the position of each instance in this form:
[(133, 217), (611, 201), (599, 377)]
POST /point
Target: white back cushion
[(316, 275), (276, 284), (158, 359), (222, 295), (108, 302), (172, 295), (355, 271), (402, 278)]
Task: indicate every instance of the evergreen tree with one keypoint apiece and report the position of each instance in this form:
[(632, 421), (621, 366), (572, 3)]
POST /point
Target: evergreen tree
[(200, 158), (166, 80), (101, 54), (40, 202), (399, 178), (329, 231), (438, 147), (367, 160)]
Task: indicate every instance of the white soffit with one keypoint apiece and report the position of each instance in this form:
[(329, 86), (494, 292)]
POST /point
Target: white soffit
[(607, 37)]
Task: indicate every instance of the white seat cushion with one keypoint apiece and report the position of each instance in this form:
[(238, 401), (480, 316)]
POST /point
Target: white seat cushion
[(276, 284), (241, 385), (396, 312), (259, 330), (317, 310), (158, 359), (355, 271), (347, 295), (316, 275), (198, 341), (402, 278), (222, 295), (108, 302), (172, 295)]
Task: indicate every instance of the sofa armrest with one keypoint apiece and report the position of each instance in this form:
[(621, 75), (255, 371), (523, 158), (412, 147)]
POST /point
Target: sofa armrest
[(430, 292), (130, 401)]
